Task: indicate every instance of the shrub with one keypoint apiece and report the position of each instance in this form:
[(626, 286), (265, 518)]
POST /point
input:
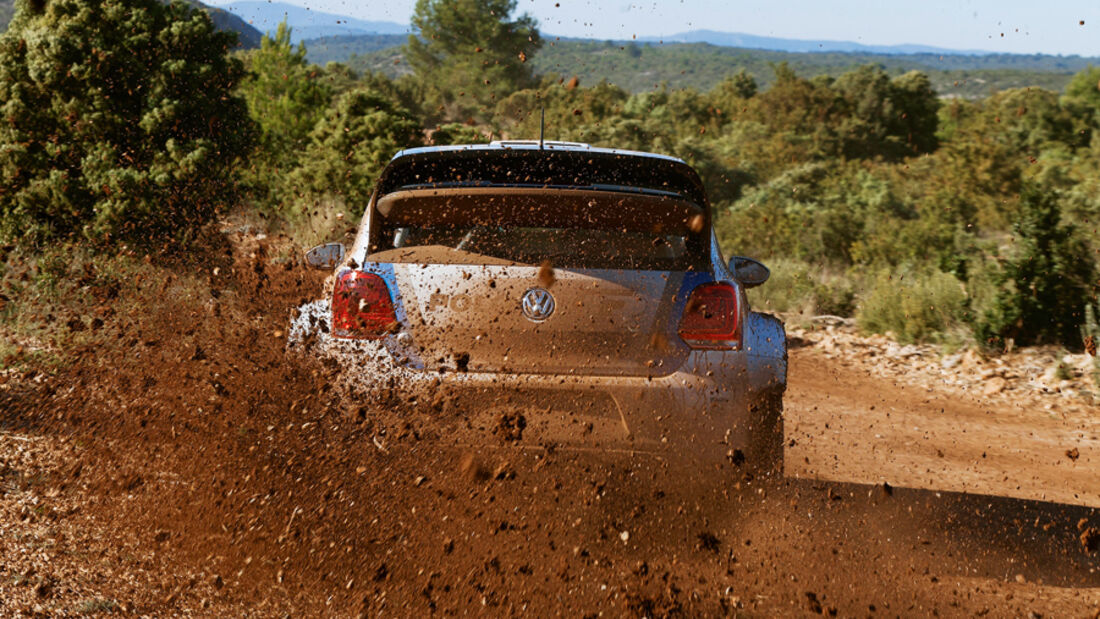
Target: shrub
[(119, 120), (797, 287), (914, 306)]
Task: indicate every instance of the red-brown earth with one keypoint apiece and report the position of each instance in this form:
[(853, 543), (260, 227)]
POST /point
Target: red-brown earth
[(185, 464)]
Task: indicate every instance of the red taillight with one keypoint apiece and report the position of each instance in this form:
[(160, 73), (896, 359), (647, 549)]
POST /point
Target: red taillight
[(712, 317), (361, 306)]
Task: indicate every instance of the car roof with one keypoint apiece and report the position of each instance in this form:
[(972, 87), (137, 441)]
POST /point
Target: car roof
[(549, 164), (530, 145)]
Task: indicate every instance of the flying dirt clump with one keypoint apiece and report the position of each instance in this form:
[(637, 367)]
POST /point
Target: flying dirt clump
[(707, 541), (510, 426), (1090, 539), (546, 274), (472, 468)]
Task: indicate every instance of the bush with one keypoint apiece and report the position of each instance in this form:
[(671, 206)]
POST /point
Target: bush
[(915, 307), (797, 287), (120, 120)]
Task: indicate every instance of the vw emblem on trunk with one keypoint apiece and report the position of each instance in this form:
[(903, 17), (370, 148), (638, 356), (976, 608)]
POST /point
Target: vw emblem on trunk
[(538, 304)]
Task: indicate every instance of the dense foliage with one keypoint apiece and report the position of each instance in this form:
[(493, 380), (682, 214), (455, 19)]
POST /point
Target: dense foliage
[(120, 120), (871, 194)]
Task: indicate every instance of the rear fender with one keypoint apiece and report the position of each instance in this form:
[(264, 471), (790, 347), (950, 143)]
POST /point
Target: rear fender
[(766, 348)]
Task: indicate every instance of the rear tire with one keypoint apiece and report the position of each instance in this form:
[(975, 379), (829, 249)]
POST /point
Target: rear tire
[(765, 457)]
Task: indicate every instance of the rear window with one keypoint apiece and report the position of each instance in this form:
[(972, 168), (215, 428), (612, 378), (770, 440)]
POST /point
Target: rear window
[(579, 229)]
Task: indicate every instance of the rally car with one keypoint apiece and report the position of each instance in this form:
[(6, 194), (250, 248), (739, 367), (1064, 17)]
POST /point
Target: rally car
[(579, 292)]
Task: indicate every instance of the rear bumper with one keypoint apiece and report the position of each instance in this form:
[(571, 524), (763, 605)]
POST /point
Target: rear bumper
[(706, 401)]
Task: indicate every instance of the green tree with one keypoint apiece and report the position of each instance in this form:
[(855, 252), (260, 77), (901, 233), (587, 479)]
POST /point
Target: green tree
[(468, 55), (350, 146), (119, 120), (886, 117), (1047, 281), (285, 95), (1085, 87), (917, 106)]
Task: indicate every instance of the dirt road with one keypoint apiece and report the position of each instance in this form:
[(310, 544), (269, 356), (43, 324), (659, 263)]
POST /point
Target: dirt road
[(843, 424), (191, 467)]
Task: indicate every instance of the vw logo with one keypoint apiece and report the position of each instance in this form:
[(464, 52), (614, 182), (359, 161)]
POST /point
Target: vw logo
[(538, 304)]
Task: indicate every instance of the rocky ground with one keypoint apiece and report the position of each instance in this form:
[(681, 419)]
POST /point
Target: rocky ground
[(1046, 377)]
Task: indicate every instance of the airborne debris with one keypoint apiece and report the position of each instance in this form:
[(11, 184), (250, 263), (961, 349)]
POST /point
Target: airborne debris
[(510, 426), (696, 224), (1090, 539), (472, 468), (708, 541), (546, 274)]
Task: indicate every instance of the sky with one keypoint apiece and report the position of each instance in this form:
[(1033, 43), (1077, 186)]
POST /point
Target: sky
[(1014, 26)]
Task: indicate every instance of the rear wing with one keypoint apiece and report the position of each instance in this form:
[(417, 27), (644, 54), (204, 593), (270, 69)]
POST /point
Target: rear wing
[(558, 168)]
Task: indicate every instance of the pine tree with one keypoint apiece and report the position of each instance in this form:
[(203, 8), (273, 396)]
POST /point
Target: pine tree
[(285, 95), (468, 56), (351, 145)]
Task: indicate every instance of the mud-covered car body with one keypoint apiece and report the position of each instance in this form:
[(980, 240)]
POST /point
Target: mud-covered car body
[(579, 289)]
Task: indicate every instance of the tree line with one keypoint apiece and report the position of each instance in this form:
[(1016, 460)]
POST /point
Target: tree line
[(937, 220)]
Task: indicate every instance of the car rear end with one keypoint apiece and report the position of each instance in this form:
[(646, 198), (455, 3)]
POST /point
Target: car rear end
[(576, 290)]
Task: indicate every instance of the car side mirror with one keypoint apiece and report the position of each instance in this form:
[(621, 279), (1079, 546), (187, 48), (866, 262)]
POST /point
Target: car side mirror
[(749, 272), (325, 256)]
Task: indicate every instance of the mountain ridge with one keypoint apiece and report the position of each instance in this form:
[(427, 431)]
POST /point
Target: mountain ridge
[(306, 23), (752, 41)]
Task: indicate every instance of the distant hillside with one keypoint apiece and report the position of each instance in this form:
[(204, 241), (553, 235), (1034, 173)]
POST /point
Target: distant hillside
[(340, 49), (306, 23), (248, 36), (643, 66), (752, 41)]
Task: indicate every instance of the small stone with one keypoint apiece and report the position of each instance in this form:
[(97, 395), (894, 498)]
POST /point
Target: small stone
[(43, 589), (625, 536), (994, 386)]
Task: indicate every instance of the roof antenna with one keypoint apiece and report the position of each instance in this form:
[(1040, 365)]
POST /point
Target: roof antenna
[(542, 125)]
